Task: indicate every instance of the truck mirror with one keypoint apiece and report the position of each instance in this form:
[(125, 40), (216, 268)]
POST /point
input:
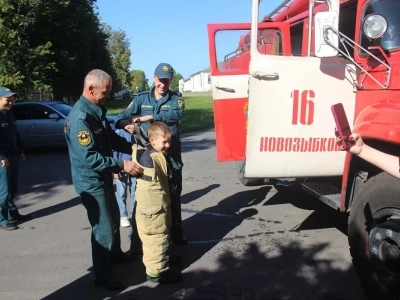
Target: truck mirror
[(326, 41)]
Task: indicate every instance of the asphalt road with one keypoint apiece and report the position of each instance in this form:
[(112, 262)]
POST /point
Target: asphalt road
[(245, 242)]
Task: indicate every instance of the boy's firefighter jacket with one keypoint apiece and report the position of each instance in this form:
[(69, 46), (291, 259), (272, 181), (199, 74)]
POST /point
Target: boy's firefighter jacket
[(152, 190)]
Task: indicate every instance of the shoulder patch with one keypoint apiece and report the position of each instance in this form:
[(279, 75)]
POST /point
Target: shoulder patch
[(84, 138), (181, 102)]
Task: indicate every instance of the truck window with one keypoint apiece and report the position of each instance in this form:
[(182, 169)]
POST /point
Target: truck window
[(296, 38), (233, 47), (347, 23), (269, 42)]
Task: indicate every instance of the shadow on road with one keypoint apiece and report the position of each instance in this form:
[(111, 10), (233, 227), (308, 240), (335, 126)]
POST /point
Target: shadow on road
[(322, 216), (189, 197), (290, 272), (285, 271)]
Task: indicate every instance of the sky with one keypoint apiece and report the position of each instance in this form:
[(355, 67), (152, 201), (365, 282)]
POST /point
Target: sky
[(175, 31)]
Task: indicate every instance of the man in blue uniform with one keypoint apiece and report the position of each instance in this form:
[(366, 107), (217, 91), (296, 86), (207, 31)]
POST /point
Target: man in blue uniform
[(90, 142), (161, 104), (10, 154)]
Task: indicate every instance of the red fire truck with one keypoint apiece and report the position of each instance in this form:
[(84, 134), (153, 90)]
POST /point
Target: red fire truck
[(273, 91)]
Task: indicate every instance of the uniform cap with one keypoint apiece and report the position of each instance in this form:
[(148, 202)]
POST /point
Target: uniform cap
[(5, 92), (164, 70)]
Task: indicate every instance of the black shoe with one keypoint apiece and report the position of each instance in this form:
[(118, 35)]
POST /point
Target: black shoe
[(20, 218), (175, 260), (9, 226), (166, 277), (122, 258), (112, 285), (181, 240)]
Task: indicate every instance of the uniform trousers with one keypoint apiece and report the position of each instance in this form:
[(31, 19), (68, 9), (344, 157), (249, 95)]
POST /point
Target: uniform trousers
[(104, 217), (8, 189)]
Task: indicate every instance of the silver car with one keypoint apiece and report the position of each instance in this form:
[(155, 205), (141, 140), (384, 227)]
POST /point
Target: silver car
[(41, 123)]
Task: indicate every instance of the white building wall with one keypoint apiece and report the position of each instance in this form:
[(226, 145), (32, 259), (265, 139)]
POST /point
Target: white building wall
[(200, 82)]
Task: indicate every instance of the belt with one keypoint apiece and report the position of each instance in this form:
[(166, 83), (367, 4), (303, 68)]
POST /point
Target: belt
[(145, 177)]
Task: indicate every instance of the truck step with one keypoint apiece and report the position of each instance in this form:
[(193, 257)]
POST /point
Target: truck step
[(325, 192)]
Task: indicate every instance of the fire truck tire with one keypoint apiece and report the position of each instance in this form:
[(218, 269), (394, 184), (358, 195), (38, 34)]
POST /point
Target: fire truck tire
[(374, 237), (247, 181)]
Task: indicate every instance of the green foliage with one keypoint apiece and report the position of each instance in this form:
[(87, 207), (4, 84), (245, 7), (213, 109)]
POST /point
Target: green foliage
[(25, 63), (138, 80), (53, 44), (118, 47), (175, 81), (114, 107), (198, 114)]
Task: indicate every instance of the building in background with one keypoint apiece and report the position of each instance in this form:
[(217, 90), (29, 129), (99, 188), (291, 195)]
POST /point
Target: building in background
[(197, 82)]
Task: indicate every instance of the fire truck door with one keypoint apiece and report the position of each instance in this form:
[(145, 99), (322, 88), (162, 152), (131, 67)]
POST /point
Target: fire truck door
[(290, 130), (230, 83)]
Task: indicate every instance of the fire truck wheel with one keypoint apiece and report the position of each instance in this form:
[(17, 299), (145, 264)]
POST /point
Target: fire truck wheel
[(247, 181), (374, 237)]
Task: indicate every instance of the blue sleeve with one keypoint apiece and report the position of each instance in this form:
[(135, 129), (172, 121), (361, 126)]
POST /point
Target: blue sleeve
[(174, 113), (132, 110), (117, 154), (82, 143), (120, 144)]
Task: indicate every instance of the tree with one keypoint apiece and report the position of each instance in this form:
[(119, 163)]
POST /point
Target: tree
[(138, 80), (24, 63), (51, 44), (175, 81), (118, 47)]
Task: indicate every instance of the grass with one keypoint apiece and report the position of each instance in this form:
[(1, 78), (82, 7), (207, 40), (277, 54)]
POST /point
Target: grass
[(198, 114)]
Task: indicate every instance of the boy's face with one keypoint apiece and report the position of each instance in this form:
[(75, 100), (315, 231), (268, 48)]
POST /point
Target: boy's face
[(161, 143)]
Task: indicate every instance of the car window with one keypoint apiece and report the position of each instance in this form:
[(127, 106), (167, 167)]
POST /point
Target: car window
[(21, 112), (41, 112), (62, 108)]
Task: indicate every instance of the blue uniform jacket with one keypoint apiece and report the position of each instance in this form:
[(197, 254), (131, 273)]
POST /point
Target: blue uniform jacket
[(10, 142), (90, 142), (168, 109)]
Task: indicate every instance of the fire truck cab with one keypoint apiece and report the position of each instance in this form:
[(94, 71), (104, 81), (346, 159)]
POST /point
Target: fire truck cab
[(273, 91)]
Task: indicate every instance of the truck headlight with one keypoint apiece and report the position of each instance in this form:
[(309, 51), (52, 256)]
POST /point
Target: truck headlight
[(374, 26)]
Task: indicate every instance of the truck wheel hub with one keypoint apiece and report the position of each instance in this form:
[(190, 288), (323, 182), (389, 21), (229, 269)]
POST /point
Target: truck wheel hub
[(384, 248)]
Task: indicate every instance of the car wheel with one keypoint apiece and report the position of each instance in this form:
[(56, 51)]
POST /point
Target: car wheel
[(374, 237)]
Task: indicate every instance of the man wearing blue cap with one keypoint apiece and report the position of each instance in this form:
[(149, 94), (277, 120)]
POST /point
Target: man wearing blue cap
[(10, 154), (162, 104)]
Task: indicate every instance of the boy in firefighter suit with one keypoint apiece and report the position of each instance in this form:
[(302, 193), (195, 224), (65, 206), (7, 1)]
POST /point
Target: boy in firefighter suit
[(153, 196), (162, 104)]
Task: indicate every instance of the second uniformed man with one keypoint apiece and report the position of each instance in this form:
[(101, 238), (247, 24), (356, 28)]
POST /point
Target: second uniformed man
[(162, 104)]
